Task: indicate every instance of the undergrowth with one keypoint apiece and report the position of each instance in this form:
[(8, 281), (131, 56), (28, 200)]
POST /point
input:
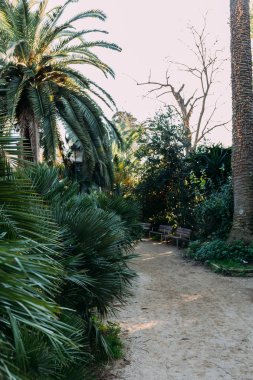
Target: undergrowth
[(220, 250)]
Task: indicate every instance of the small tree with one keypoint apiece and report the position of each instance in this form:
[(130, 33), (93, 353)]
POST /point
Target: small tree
[(161, 189)]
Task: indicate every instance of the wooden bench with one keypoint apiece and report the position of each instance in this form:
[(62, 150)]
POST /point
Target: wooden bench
[(181, 234), (163, 230), (146, 226)]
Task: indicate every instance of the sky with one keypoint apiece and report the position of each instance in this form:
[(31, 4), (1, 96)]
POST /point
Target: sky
[(151, 33)]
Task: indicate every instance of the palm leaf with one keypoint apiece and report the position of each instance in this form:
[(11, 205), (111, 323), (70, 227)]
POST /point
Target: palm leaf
[(40, 86)]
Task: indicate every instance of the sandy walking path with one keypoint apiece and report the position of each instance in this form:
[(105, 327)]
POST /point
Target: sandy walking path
[(185, 322)]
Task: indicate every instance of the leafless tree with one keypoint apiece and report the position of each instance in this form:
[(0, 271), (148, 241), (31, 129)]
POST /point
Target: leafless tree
[(207, 67)]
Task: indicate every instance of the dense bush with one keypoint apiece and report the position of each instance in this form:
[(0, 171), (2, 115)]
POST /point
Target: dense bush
[(97, 243), (111, 340), (213, 216), (64, 263), (37, 341), (173, 182), (219, 250), (212, 164), (128, 210), (162, 188)]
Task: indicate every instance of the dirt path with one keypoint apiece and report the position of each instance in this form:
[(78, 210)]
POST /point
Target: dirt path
[(185, 322)]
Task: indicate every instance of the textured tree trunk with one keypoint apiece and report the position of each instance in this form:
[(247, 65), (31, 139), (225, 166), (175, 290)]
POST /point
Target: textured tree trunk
[(30, 133), (186, 123), (242, 104)]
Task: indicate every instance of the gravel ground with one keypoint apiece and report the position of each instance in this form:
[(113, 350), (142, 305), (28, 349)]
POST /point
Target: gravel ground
[(185, 322)]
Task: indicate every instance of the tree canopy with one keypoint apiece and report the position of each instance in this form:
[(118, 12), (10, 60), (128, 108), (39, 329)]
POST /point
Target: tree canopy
[(42, 91)]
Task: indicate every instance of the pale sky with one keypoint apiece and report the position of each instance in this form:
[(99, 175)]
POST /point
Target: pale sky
[(148, 31)]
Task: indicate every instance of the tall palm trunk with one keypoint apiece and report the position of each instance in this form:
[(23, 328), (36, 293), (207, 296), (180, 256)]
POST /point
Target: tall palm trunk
[(29, 128), (242, 104)]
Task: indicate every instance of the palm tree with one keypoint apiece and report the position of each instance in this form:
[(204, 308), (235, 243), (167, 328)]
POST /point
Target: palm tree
[(34, 339), (125, 160), (40, 86), (242, 102), (63, 266)]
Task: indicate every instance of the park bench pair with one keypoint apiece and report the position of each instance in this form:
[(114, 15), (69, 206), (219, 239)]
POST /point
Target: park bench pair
[(166, 232)]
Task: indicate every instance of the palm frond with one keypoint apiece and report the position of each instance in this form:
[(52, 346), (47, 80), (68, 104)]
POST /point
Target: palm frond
[(40, 86), (72, 35), (30, 276), (41, 98)]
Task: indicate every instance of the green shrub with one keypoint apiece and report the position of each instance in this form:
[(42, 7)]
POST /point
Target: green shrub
[(241, 251), (219, 250), (64, 259), (161, 189), (216, 249), (127, 209), (106, 341), (36, 340), (192, 248), (213, 216), (111, 333)]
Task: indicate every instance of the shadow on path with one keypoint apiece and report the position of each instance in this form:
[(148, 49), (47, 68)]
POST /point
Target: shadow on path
[(185, 322)]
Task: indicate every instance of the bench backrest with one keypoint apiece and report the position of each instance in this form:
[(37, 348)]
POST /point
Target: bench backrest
[(183, 232), (164, 228), (145, 226)]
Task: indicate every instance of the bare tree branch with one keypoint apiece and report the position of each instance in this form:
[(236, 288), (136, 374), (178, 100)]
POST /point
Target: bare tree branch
[(209, 65), (203, 134)]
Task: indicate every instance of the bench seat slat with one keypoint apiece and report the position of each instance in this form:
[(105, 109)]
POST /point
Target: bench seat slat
[(181, 233), (163, 230)]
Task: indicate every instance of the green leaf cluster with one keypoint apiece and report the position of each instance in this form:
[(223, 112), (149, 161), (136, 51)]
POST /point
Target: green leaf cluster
[(64, 264), (213, 216), (163, 189), (219, 250), (179, 186), (42, 91)]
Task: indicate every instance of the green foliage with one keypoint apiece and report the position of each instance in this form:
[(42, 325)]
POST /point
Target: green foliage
[(162, 187), (192, 248), (213, 216), (219, 250), (98, 234), (180, 187), (211, 165), (64, 262), (125, 160), (108, 337), (97, 243), (39, 86), (31, 277), (227, 266), (128, 210), (162, 141)]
